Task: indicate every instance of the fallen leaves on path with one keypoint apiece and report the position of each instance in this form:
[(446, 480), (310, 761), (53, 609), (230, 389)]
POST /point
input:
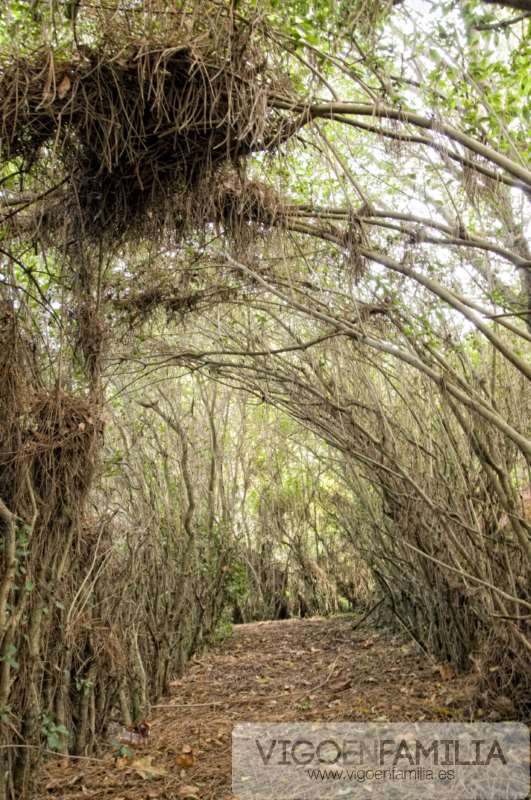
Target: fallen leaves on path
[(142, 766), (294, 670)]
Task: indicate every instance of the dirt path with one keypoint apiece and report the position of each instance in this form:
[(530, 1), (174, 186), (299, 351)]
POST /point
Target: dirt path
[(313, 669)]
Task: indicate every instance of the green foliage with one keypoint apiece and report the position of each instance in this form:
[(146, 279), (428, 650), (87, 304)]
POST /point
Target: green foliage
[(320, 22), (236, 585), (53, 733), (122, 750), (84, 685), (9, 657), (222, 632)]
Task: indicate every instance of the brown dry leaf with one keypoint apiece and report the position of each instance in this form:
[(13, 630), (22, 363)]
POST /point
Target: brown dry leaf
[(185, 760), (341, 686), (146, 769), (441, 710), (64, 87), (447, 671), (54, 784), (504, 705), (122, 762), (188, 792)]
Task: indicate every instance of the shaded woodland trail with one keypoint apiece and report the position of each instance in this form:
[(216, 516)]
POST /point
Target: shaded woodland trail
[(265, 319), (315, 669)]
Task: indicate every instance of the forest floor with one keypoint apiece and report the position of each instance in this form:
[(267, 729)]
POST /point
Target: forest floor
[(293, 670)]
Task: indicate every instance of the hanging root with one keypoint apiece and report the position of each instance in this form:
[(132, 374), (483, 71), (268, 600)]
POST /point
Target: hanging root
[(135, 130)]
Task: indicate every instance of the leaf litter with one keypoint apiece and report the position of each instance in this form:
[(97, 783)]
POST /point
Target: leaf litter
[(339, 675)]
